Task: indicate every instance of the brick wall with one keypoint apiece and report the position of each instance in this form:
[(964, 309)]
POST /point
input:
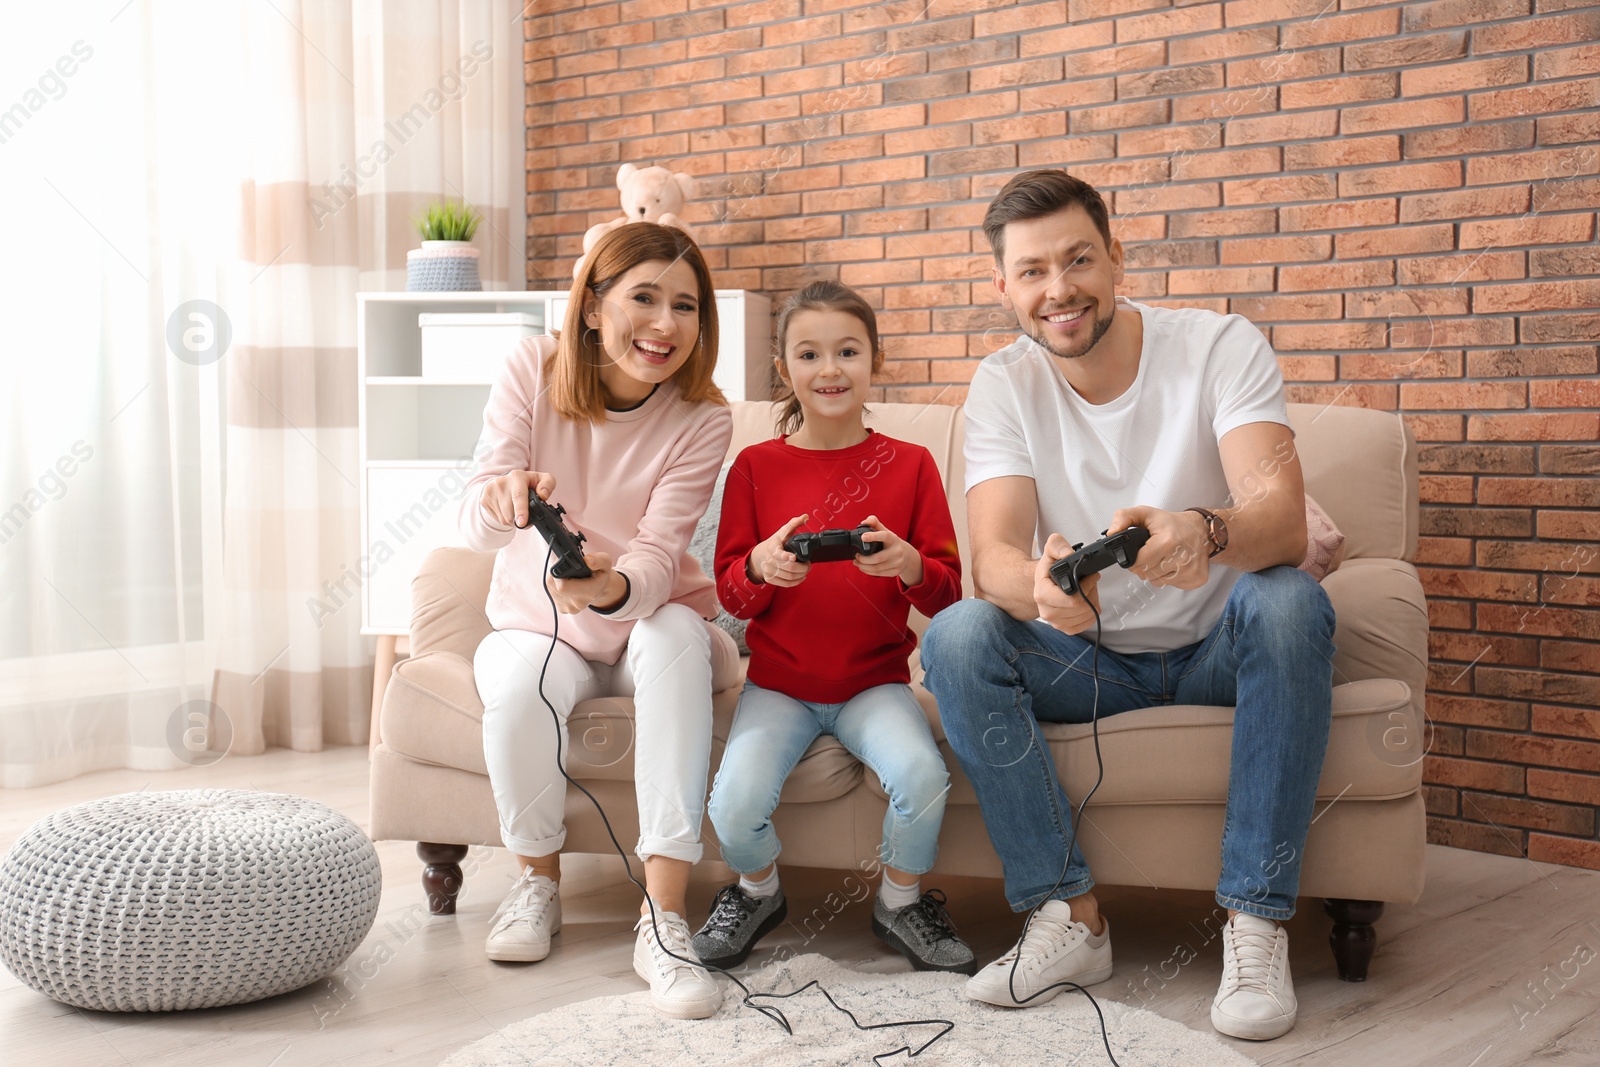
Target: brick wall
[(1402, 195)]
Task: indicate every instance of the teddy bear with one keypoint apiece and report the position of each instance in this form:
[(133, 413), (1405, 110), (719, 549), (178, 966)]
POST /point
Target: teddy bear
[(649, 194)]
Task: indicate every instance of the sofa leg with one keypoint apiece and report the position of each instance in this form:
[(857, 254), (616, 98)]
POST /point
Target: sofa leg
[(441, 878), (1353, 938)]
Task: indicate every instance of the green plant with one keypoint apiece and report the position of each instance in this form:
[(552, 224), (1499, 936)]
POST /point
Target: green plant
[(448, 221)]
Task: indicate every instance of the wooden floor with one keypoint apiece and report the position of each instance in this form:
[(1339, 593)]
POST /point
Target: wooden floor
[(1452, 983)]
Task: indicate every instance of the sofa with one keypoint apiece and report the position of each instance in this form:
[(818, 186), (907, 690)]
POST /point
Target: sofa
[(1155, 821)]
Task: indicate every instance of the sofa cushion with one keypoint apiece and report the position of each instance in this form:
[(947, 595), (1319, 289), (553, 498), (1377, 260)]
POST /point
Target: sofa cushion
[(1181, 754), (1361, 466), (703, 547)]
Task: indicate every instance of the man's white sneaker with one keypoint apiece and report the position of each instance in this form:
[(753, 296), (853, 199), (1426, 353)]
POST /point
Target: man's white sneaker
[(1256, 1000), (1052, 949), (680, 990), (531, 913)]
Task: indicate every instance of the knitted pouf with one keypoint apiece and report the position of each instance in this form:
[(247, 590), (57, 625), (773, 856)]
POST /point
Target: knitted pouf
[(188, 899)]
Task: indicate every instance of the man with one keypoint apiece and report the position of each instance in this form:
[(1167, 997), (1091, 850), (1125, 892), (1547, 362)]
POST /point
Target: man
[(1109, 414)]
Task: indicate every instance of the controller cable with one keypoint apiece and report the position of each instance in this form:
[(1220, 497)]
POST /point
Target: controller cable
[(1072, 836), (750, 997)]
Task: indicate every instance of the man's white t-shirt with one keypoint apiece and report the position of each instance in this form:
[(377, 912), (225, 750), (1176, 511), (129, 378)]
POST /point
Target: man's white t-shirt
[(1200, 375)]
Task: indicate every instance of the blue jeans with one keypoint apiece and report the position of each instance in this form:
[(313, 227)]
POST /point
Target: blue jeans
[(884, 727), (1270, 655)]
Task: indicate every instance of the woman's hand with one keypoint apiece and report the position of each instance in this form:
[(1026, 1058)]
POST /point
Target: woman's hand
[(896, 559), (604, 588), (771, 564), (505, 499)]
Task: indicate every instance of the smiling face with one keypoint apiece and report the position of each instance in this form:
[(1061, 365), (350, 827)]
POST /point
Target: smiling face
[(649, 322), (1060, 278), (827, 361)]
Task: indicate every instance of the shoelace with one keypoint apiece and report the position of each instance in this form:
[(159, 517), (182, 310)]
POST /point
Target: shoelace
[(1255, 961), (730, 909), (530, 902), (929, 918), (1042, 935), (667, 936)]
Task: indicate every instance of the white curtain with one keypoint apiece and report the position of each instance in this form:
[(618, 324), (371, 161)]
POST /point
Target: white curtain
[(115, 162), (177, 375)]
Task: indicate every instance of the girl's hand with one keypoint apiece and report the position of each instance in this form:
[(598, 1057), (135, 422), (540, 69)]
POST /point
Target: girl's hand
[(771, 564), (896, 559), (604, 588), (505, 499)]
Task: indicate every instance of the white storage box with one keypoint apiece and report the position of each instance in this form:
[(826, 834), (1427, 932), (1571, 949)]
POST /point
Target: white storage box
[(471, 348)]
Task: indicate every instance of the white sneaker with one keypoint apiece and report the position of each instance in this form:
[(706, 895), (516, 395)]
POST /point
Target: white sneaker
[(1256, 1000), (531, 913), (680, 990), (1053, 949)]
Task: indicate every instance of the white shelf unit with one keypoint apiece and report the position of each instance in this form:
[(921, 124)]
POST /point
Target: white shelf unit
[(416, 435)]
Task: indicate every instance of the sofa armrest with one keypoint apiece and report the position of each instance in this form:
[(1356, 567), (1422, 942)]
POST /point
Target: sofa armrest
[(447, 601)]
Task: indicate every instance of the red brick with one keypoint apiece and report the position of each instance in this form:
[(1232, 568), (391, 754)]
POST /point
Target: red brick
[(1224, 106), (1179, 144), (1167, 198), (1562, 785), (1277, 128), (1445, 551), (1478, 585), (751, 14), (931, 30), (1567, 62), (1546, 492), (1123, 174), (1073, 94), (1476, 711), (1248, 12), (1289, 307), (1007, 75), (1427, 364), (1570, 129), (1406, 51), (1329, 337), (1223, 223), (1399, 241), (1554, 165), (1338, 215), (1089, 10), (1438, 800), (1464, 203), (1402, 115), (1237, 162), (1212, 46), (927, 139), (1454, 396), (1569, 459), (1304, 368), (1530, 814), (1565, 394), (855, 198), (1558, 327), (1464, 77), (1527, 363), (1541, 99), (1284, 66), (1346, 152), (1470, 140), (803, 227), (1278, 190), (1545, 751), (764, 110), (1220, 280), (1452, 270), (1375, 181), (1431, 16), (1340, 29), (1571, 852), (1019, 128), (931, 191), (1568, 722), (1378, 397), (1171, 23), (1528, 230), (885, 118), (1547, 295), (1455, 333), (1287, 249), (1472, 774), (1475, 837), (1117, 116), (965, 108), (943, 294), (972, 53), (1169, 81), (899, 65), (1023, 19), (1070, 38), (726, 42), (1569, 526), (1335, 276), (1449, 614), (1528, 34), (1345, 89)]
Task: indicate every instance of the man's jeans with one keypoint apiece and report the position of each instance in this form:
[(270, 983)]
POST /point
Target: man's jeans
[(1270, 655)]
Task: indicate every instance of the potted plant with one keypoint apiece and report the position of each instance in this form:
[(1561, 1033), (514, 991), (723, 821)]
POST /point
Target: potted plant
[(446, 259)]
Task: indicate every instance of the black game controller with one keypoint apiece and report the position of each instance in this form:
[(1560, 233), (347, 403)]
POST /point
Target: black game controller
[(1121, 547), (546, 518), (831, 546)]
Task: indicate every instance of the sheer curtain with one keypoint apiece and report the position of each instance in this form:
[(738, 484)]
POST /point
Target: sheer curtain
[(199, 191), (359, 117), (116, 166)]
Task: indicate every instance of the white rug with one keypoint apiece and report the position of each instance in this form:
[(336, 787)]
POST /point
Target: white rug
[(625, 1031)]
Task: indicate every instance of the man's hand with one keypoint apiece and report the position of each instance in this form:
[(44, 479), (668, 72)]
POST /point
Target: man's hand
[(772, 564), (896, 559), (1178, 553), (1069, 614), (604, 588)]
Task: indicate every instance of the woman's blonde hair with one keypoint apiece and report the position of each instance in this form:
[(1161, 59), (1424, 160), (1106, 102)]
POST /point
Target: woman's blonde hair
[(825, 295), (574, 369)]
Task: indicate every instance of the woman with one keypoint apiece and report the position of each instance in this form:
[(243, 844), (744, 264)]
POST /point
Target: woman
[(618, 421)]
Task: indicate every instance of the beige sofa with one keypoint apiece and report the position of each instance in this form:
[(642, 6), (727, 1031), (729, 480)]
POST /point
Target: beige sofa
[(1156, 820)]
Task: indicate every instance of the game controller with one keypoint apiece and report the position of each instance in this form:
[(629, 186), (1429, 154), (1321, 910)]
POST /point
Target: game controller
[(547, 519), (831, 546), (1121, 547)]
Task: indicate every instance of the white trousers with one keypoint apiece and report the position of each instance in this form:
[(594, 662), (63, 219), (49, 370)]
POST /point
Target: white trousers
[(673, 663)]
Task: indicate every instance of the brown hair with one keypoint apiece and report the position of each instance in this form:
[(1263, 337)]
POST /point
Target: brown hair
[(1033, 194), (825, 295), (574, 369)]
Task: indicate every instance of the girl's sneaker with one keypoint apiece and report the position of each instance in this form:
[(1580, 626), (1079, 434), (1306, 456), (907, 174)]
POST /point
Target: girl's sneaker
[(531, 913), (924, 933), (738, 920)]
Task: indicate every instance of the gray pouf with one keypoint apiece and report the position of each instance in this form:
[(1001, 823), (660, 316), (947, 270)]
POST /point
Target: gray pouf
[(188, 899)]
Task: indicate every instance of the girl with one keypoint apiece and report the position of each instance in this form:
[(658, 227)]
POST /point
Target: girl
[(828, 641), (618, 421)]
